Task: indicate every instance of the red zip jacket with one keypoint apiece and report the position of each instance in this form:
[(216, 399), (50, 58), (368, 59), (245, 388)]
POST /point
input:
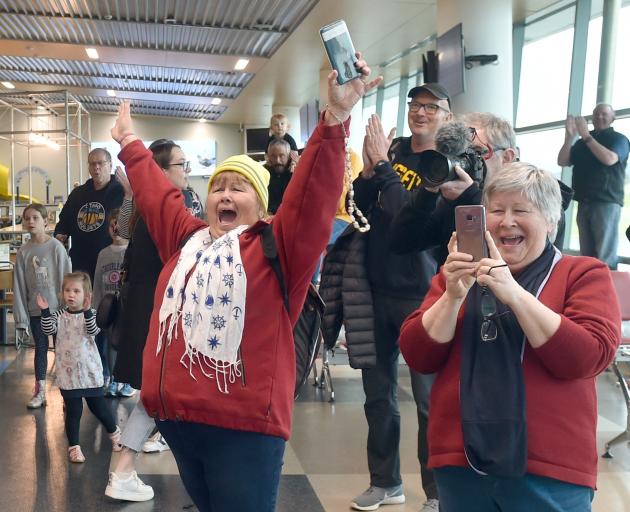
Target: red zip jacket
[(559, 376), (264, 401)]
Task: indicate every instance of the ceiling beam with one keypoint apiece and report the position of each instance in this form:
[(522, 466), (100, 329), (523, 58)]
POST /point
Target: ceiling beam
[(114, 55), (87, 19)]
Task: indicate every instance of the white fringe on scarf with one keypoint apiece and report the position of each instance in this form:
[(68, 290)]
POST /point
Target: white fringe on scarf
[(210, 305)]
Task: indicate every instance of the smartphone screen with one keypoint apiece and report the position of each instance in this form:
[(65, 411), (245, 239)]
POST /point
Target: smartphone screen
[(340, 50), (470, 224)]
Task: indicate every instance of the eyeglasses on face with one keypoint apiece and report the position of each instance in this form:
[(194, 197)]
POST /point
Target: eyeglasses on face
[(185, 165), (487, 151), (429, 108)]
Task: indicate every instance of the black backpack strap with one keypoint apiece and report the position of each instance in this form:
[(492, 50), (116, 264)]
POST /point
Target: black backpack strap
[(271, 253)]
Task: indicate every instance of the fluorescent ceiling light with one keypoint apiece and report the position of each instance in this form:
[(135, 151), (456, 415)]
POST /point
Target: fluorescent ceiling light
[(8, 85), (216, 101), (241, 64), (202, 120), (91, 53), (111, 93)]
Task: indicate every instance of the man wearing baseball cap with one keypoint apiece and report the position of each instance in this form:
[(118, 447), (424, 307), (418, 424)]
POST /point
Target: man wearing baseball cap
[(398, 284)]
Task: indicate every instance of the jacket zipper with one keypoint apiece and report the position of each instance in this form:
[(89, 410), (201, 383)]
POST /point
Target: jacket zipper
[(161, 387), (242, 363)]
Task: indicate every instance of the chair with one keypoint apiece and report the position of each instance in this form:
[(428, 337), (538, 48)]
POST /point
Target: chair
[(621, 280)]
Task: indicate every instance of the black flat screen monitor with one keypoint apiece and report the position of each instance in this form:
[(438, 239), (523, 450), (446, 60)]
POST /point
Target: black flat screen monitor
[(256, 139), (450, 49)]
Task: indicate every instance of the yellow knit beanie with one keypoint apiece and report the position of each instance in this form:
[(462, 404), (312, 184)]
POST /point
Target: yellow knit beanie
[(254, 172)]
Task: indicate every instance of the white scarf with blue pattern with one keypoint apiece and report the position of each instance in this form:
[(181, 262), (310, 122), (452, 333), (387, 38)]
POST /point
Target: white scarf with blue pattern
[(210, 305)]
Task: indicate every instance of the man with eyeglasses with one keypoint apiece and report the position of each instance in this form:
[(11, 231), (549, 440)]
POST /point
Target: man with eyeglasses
[(83, 217), (599, 160), (428, 218), (398, 284)]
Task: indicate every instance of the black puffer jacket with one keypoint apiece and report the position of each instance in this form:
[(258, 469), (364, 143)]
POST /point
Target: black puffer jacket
[(346, 291)]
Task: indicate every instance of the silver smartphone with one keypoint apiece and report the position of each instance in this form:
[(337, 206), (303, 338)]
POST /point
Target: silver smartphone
[(340, 50)]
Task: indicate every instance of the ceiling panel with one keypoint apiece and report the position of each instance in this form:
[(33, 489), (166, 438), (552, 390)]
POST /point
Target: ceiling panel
[(195, 28)]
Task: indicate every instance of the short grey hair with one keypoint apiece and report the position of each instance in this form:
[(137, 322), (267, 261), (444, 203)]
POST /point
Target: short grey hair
[(498, 130), (536, 185), (279, 142)]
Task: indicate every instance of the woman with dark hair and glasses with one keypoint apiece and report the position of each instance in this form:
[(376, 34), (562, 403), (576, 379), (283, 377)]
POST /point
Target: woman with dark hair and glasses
[(142, 266), (517, 340)]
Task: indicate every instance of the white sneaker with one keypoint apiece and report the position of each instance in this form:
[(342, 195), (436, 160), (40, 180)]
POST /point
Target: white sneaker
[(431, 505), (130, 489), (155, 444)]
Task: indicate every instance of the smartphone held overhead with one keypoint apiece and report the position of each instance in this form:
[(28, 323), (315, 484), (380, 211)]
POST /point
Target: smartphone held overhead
[(340, 50), (470, 225)]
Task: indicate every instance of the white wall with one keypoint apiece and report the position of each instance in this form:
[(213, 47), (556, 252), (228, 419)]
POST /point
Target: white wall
[(229, 142)]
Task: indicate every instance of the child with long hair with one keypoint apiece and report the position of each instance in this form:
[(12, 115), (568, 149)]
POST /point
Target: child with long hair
[(40, 266), (79, 369)]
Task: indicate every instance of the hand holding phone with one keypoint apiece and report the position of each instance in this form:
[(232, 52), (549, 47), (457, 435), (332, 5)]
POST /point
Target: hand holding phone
[(470, 225), (340, 51)]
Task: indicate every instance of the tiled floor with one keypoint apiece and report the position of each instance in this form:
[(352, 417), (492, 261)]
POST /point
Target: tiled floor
[(324, 468)]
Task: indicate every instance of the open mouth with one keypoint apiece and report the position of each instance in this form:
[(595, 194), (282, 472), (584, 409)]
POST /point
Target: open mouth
[(512, 240), (227, 216)]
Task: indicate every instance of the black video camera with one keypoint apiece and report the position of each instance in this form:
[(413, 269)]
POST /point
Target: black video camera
[(453, 143)]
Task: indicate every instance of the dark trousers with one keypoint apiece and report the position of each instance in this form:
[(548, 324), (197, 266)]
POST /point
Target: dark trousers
[(226, 470), (41, 348), (101, 345), (380, 385), (74, 410), (463, 489)]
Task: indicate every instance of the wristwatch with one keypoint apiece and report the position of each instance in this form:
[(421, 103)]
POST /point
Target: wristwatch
[(381, 163)]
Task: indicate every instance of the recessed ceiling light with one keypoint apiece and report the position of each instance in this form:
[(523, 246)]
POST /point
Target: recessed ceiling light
[(111, 93), (202, 120), (241, 64), (91, 53), (216, 101), (8, 85)]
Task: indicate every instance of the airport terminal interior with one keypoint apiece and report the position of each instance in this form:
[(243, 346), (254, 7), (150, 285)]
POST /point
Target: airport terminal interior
[(209, 74)]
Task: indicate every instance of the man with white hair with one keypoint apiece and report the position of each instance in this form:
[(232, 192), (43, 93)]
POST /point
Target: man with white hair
[(599, 161)]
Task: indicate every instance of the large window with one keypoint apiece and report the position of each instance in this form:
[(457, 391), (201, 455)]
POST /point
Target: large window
[(546, 69), (369, 106), (389, 113), (541, 149)]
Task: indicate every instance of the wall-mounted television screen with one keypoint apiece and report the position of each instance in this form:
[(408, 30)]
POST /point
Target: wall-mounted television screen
[(450, 49), (256, 140)]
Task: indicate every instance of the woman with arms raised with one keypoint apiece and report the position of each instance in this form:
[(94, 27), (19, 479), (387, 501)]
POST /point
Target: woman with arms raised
[(219, 366), (517, 339)]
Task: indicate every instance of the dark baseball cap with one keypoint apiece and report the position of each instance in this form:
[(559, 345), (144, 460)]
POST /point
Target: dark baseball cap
[(433, 88)]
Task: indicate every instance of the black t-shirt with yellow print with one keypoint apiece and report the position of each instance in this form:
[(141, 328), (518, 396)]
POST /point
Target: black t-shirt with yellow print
[(405, 276)]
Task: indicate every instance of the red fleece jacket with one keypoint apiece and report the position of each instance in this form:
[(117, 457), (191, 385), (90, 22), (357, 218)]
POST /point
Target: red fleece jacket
[(302, 228), (559, 376)]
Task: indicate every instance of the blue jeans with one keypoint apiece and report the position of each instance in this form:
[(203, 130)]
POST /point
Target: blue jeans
[(461, 489), (226, 470), (598, 226)]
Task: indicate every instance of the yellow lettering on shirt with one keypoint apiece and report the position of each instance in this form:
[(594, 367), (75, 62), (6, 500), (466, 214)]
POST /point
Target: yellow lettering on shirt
[(408, 177)]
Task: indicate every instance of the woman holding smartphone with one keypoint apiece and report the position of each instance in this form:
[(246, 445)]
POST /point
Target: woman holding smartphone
[(517, 340), (219, 362)]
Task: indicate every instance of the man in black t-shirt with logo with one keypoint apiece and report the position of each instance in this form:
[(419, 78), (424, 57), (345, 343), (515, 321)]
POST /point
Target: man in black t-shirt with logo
[(398, 284), (599, 160), (83, 216)]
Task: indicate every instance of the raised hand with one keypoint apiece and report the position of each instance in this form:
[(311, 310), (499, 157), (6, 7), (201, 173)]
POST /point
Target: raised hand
[(87, 301), (452, 189), (459, 271), (581, 127), (123, 127), (41, 301), (124, 182), (376, 142), (341, 98), (571, 130), (494, 273)]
